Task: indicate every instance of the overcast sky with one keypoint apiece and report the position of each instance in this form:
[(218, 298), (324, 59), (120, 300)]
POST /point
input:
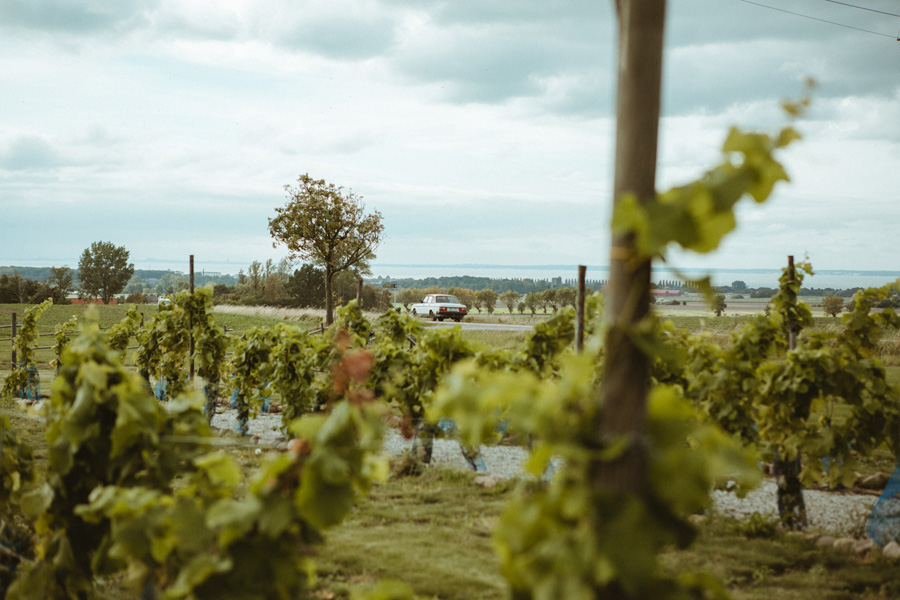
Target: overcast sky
[(482, 130)]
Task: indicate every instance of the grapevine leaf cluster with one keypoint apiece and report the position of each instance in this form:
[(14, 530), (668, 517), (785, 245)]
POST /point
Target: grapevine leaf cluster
[(17, 475), (23, 343), (559, 536), (132, 488), (810, 410), (61, 340), (118, 336), (566, 535)]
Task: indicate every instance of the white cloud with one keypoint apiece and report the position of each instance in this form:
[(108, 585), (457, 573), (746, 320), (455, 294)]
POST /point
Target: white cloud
[(176, 124)]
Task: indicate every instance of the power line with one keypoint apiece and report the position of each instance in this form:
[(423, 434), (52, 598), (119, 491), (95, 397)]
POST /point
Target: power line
[(821, 20), (880, 12)]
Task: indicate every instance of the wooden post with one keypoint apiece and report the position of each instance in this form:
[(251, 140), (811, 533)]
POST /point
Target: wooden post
[(579, 310), (792, 327), (359, 285), (12, 341), (191, 320), (626, 378)]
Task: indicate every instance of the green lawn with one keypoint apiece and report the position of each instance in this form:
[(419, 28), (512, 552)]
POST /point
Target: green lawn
[(107, 315)]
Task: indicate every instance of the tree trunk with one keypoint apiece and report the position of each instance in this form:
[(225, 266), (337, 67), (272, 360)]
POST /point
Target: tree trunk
[(329, 300), (626, 377), (791, 506)]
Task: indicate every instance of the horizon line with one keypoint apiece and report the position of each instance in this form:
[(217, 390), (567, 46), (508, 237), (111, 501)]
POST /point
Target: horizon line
[(606, 268)]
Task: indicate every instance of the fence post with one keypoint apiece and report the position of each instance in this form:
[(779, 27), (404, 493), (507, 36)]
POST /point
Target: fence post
[(792, 327), (12, 341), (579, 310), (191, 321)]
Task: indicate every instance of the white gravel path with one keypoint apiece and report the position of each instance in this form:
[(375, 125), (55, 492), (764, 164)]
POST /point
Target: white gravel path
[(835, 512)]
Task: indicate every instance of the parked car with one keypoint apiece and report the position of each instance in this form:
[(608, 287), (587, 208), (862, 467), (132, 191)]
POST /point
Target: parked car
[(438, 307)]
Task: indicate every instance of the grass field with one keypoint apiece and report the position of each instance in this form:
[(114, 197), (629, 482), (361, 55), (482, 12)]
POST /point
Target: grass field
[(434, 533), (234, 320)]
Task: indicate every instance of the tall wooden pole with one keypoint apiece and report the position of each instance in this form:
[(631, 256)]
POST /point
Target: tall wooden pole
[(626, 376), (792, 327), (191, 319), (13, 342), (579, 309)]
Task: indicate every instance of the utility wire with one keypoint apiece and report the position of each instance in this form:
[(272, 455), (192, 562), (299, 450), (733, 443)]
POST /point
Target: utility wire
[(880, 12), (822, 20)]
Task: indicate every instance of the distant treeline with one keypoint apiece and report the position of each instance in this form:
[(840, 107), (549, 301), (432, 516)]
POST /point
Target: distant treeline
[(42, 274), (520, 286)]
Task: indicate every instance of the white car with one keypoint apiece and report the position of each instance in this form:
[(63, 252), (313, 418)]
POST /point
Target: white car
[(438, 307)]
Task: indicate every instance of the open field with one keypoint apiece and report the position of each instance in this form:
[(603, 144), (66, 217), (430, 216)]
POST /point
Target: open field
[(240, 319)]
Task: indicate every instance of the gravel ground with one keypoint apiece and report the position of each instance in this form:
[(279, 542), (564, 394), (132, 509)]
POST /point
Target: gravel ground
[(841, 512), (836, 512)]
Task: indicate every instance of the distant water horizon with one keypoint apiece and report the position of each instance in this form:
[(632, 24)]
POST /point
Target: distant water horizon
[(757, 277)]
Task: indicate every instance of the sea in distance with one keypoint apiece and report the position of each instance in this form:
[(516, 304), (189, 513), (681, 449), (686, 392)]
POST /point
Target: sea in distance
[(754, 278)]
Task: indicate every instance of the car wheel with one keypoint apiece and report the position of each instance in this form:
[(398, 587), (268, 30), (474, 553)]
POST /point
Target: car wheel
[(441, 319), (414, 312), (457, 320), (431, 314)]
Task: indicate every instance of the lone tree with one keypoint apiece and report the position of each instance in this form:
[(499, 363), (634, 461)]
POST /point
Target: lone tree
[(104, 271), (718, 305), (832, 305), (328, 227)]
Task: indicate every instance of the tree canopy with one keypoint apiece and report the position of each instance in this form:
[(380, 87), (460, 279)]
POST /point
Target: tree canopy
[(104, 271), (833, 305), (718, 304), (510, 299), (327, 226), (62, 278)]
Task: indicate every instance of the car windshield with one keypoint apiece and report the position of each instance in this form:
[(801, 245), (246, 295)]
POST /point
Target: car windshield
[(447, 300)]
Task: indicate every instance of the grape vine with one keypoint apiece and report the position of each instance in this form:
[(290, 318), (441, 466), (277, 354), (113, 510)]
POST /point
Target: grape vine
[(23, 343), (109, 504)]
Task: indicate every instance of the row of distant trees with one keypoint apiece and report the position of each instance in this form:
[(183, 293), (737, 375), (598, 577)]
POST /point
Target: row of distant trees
[(832, 304), (103, 271), (521, 286), (280, 284), (16, 289), (488, 299)]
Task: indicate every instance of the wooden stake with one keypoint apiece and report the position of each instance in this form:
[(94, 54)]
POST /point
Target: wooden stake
[(792, 327), (626, 377), (191, 319), (12, 341), (579, 310)]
